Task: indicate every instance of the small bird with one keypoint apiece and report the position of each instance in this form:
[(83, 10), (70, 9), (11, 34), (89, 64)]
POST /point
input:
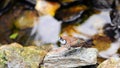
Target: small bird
[(69, 42)]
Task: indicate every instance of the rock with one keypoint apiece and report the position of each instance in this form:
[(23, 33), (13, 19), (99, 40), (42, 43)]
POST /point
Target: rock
[(106, 47), (90, 66), (17, 56), (102, 4), (110, 63), (26, 20), (75, 57), (46, 7), (115, 14)]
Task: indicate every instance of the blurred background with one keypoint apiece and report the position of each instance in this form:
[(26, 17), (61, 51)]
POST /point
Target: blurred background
[(43, 22), (80, 18)]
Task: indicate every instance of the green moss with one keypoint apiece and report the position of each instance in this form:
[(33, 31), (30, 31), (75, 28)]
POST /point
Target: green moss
[(14, 36), (3, 59)]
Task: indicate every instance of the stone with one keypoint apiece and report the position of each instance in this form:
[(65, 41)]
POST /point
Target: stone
[(45, 7), (112, 62), (16, 56), (75, 57), (26, 20)]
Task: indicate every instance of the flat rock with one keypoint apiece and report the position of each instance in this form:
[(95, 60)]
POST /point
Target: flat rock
[(74, 57)]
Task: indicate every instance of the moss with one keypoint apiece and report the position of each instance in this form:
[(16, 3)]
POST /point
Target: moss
[(2, 60)]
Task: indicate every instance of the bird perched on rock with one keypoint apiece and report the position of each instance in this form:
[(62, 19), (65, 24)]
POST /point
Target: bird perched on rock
[(68, 42)]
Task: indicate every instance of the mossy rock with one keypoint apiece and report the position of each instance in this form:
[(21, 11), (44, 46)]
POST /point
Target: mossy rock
[(16, 56)]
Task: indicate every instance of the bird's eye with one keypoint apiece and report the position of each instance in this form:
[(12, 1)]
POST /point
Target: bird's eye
[(62, 41)]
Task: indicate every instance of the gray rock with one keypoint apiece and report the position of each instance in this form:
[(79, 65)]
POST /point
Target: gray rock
[(71, 58)]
